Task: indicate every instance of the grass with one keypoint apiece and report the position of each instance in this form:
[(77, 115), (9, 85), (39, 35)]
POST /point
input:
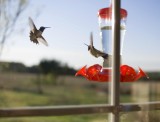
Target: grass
[(68, 91), (77, 118), (55, 95)]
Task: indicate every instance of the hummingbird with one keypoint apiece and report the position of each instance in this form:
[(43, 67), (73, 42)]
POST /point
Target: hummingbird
[(93, 51), (36, 35)]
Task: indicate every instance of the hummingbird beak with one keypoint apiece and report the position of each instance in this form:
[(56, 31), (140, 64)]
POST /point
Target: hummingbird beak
[(47, 27), (86, 44)]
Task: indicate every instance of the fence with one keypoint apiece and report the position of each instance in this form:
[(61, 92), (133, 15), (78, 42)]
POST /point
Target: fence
[(76, 110)]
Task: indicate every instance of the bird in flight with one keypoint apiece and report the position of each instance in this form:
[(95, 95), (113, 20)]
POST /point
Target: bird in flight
[(93, 51), (36, 35)]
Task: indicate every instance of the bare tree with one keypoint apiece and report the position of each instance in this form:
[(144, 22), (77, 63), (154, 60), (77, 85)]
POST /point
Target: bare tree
[(10, 11)]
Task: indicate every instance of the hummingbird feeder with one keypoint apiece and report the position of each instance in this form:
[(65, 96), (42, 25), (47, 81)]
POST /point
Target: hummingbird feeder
[(105, 23), (99, 74), (102, 74)]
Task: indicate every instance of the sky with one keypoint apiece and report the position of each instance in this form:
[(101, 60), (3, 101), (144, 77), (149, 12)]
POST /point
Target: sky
[(71, 22)]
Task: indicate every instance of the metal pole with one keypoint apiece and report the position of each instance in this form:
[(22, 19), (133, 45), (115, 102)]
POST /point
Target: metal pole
[(115, 82)]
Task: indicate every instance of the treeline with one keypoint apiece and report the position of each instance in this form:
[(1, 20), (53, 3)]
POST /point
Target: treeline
[(53, 67), (44, 67), (153, 76)]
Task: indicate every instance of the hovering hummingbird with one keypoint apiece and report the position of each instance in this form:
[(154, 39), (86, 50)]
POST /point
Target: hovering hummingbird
[(36, 35), (96, 53)]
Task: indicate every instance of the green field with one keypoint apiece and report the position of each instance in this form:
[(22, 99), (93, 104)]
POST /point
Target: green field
[(58, 96), (26, 90)]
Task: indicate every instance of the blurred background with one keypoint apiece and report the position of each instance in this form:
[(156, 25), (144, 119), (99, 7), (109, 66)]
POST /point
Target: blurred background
[(36, 75)]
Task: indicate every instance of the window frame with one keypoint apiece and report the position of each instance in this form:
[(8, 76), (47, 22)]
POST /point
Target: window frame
[(115, 107)]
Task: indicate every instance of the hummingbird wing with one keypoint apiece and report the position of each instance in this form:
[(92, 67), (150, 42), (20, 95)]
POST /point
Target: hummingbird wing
[(91, 40), (41, 39), (94, 51), (32, 25)]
